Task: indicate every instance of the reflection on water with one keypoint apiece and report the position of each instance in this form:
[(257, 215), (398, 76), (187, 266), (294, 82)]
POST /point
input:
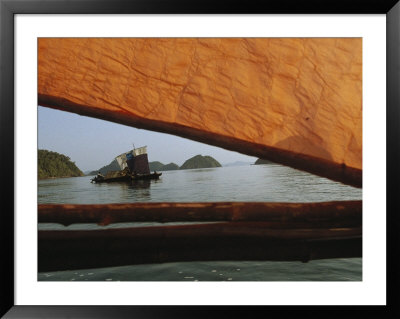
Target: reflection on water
[(138, 191), (141, 184), (201, 170)]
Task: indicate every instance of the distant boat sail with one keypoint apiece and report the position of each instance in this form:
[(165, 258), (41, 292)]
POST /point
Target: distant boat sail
[(134, 166), (136, 160)]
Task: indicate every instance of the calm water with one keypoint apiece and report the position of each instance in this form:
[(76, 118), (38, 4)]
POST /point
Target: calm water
[(265, 183)]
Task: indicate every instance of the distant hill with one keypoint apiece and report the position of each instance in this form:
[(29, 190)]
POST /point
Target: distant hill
[(53, 164), (158, 166), (155, 166), (237, 163), (113, 166), (261, 161), (200, 161), (170, 167)]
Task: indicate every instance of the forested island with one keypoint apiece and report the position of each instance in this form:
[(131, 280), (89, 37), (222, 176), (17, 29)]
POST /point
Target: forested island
[(113, 166), (53, 164), (200, 161), (261, 161), (158, 166)]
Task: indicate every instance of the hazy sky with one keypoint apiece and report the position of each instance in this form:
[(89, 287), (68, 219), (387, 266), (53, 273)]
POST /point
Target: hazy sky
[(92, 143)]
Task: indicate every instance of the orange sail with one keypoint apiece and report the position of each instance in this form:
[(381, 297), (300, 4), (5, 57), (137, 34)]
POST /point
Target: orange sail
[(295, 101)]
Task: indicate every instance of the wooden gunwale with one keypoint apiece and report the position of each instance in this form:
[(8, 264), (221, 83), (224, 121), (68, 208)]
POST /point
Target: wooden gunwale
[(223, 231), (335, 213)]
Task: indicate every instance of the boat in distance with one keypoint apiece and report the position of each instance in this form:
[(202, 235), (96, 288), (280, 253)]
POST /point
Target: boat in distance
[(134, 167)]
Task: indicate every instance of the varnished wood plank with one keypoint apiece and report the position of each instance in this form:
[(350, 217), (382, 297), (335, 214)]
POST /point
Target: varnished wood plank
[(332, 214)]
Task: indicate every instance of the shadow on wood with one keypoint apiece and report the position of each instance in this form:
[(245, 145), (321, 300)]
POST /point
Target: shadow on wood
[(67, 250)]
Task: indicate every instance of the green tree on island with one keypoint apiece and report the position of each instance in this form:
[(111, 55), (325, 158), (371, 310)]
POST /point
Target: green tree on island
[(155, 166), (113, 166), (200, 161), (169, 167), (261, 161), (53, 164)]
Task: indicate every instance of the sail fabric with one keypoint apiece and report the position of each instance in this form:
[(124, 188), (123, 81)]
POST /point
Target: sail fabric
[(136, 160), (140, 151), (122, 161), (140, 164), (130, 161), (295, 101)]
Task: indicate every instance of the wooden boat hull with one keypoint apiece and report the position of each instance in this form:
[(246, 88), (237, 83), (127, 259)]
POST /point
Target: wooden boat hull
[(146, 176), (126, 178), (226, 241), (224, 231)]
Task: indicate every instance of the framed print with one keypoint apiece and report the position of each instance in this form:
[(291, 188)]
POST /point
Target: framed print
[(299, 91)]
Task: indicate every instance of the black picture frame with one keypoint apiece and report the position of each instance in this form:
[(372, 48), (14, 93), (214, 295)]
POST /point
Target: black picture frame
[(9, 8)]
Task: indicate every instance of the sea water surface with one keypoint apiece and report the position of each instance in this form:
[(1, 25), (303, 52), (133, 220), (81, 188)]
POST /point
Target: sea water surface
[(262, 183)]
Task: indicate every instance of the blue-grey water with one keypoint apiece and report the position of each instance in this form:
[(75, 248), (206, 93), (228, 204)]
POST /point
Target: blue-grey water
[(264, 183)]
